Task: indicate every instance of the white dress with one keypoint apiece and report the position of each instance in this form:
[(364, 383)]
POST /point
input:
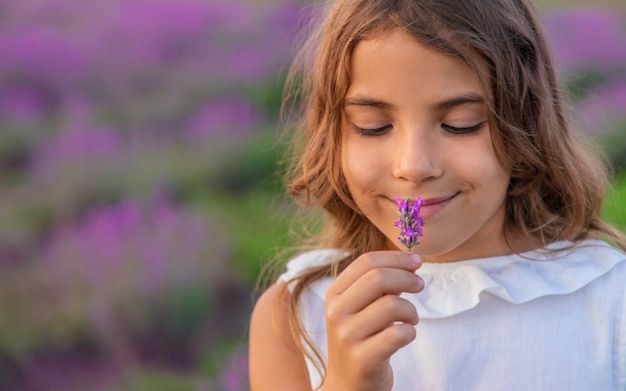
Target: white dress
[(533, 321)]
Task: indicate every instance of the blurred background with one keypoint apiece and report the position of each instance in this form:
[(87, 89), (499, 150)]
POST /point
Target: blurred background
[(139, 185)]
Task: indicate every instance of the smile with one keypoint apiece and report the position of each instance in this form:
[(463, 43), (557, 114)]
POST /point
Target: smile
[(432, 206)]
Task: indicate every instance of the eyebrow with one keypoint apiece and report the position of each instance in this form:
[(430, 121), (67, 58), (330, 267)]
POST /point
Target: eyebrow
[(464, 99), (362, 101)]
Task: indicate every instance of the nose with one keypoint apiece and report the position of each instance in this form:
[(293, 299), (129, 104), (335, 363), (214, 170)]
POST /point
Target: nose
[(417, 157)]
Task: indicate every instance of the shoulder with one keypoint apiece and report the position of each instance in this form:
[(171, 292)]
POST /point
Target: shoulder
[(600, 258), (309, 260), (275, 360), (611, 294), (592, 263), (593, 257), (592, 268)]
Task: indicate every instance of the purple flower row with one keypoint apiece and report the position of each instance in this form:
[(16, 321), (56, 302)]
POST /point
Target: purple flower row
[(116, 52), (587, 38), (136, 250), (589, 44), (89, 149), (82, 58)]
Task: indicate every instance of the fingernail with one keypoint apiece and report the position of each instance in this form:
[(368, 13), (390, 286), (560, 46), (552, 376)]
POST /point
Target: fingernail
[(420, 281), (416, 259)]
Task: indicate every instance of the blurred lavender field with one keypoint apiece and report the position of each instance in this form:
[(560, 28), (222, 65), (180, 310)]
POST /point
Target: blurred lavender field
[(139, 195)]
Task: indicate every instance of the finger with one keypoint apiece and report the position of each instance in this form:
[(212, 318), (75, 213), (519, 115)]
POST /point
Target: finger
[(381, 314), (374, 260), (374, 284), (380, 347)]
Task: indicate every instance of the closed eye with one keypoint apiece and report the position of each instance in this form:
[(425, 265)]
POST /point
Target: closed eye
[(372, 132), (463, 130)]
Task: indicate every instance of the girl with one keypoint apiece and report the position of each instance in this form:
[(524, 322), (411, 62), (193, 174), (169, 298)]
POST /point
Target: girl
[(455, 102)]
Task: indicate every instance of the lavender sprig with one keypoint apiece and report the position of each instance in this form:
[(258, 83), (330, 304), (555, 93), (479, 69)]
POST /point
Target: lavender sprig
[(410, 223)]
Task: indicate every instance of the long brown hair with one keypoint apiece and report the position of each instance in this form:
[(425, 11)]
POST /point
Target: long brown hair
[(557, 185)]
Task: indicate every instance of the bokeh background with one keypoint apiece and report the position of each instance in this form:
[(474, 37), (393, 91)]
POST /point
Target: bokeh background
[(139, 186)]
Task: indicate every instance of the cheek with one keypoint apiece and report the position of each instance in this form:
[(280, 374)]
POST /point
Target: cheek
[(493, 166), (478, 162), (361, 167), (490, 179)]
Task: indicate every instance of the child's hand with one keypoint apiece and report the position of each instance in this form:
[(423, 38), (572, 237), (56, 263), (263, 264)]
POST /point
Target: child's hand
[(367, 320)]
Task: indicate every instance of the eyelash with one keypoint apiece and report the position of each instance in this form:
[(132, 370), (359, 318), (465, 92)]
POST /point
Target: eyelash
[(372, 132), (462, 131), (451, 129)]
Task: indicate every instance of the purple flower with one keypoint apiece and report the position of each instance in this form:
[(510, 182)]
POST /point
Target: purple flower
[(81, 152), (235, 375), (410, 223), (226, 118), (134, 272), (23, 104), (602, 109), (599, 35), (135, 251)]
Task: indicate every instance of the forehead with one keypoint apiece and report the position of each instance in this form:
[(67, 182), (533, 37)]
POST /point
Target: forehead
[(395, 66)]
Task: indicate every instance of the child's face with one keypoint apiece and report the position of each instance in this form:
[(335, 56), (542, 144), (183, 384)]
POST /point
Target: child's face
[(415, 125)]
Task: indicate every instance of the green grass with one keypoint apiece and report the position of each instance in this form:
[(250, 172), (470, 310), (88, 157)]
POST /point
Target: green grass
[(151, 380), (256, 225), (245, 196), (614, 210)]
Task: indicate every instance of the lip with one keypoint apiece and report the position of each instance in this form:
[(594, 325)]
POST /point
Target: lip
[(432, 201), (432, 206)]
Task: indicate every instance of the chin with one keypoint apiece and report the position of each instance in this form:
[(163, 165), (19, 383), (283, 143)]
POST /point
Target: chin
[(436, 252)]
